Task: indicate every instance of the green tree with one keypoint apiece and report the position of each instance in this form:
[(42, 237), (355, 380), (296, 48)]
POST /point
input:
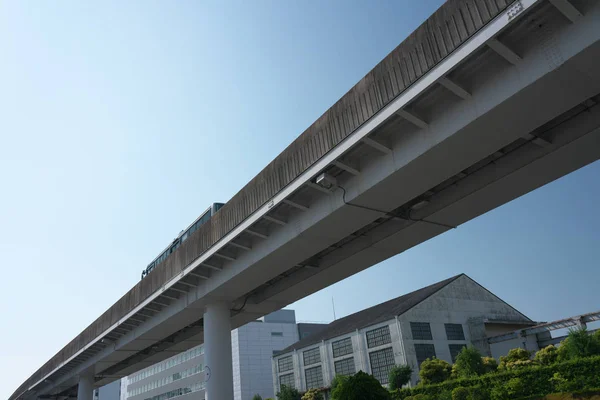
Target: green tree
[(313, 394), (434, 370), (288, 393), (579, 343), (399, 376), (360, 386), (468, 363), (338, 380), (489, 365), (257, 397)]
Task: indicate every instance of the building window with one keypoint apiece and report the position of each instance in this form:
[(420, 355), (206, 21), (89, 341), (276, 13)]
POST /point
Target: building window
[(378, 337), (342, 347), (455, 350), (345, 367), (276, 333), (285, 364), (454, 332), (381, 363), (314, 377), (421, 331), (287, 380), (312, 356), (424, 351)]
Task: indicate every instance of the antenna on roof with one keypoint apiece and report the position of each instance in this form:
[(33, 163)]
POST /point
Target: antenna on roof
[(333, 306)]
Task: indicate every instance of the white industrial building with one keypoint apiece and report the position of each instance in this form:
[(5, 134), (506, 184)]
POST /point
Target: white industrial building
[(253, 345), (112, 391), (435, 321)]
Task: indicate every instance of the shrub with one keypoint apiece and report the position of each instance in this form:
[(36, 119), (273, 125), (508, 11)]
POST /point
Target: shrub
[(479, 393), (434, 370), (399, 376), (534, 382), (421, 397), (546, 356), (510, 361), (468, 363), (443, 395), (514, 388), (579, 343), (520, 364), (360, 386), (257, 397), (460, 393), (474, 393), (313, 394), (288, 393), (489, 365)]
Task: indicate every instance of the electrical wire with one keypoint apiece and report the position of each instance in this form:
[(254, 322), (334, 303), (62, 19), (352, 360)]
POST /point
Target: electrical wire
[(388, 214), (238, 310)]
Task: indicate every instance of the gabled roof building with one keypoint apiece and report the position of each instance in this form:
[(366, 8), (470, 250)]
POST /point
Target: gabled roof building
[(435, 321)]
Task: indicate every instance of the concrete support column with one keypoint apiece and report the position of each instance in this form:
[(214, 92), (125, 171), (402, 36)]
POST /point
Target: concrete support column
[(217, 352), (85, 389)]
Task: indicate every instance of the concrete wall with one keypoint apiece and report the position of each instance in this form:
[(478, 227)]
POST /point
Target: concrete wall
[(494, 329), (529, 342), (112, 391), (256, 343), (462, 302)]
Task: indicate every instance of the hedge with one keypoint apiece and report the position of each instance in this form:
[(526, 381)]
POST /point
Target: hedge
[(528, 382)]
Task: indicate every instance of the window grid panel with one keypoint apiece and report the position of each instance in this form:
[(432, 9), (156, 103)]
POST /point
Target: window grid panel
[(345, 367), (314, 377), (382, 362), (424, 351), (421, 331), (285, 364), (312, 356), (455, 350), (378, 337), (287, 380), (454, 332), (342, 347)]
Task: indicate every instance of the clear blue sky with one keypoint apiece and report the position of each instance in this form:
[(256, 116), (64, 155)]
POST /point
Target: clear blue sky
[(121, 121)]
